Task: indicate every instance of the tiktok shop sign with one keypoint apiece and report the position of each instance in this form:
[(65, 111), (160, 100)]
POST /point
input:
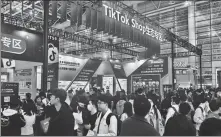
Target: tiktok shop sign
[(114, 14)]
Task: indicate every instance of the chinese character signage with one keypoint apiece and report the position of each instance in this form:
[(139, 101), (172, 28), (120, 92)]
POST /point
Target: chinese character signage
[(118, 69), (13, 44), (8, 89), (69, 67), (154, 66), (21, 44), (124, 19), (88, 70)]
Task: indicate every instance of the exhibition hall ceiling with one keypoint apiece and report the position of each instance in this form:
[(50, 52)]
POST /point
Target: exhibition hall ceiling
[(27, 11)]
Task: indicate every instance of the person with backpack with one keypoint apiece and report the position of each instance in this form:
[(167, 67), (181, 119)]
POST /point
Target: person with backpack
[(154, 117), (200, 112), (12, 120), (137, 125), (107, 123), (174, 109)]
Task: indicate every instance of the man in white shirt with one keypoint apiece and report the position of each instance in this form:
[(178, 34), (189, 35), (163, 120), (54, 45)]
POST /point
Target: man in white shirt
[(201, 111), (101, 126), (175, 101)]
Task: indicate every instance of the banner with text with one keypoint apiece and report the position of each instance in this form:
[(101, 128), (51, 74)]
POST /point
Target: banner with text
[(118, 69), (21, 44), (53, 62), (69, 67), (154, 66)]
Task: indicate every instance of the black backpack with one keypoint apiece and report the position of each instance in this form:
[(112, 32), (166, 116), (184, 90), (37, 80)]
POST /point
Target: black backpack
[(119, 122)]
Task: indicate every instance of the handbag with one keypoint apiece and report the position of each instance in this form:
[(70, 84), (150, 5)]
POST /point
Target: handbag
[(45, 124)]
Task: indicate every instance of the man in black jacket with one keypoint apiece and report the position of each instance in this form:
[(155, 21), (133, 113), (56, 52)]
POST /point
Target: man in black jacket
[(12, 120), (137, 125), (61, 119)]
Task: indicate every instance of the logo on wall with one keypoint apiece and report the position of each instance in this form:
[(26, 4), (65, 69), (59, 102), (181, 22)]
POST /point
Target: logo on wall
[(52, 53), (12, 44), (8, 63)]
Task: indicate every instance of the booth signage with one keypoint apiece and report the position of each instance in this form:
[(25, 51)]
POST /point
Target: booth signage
[(148, 82), (157, 66), (69, 67), (53, 64), (114, 14), (88, 70), (9, 89), (8, 63), (21, 44), (12, 44), (118, 69)]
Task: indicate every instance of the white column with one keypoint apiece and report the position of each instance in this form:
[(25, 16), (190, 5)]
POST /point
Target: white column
[(192, 37)]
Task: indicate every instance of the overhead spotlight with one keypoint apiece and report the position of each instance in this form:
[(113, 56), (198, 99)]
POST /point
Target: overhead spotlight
[(31, 12), (154, 57), (187, 3)]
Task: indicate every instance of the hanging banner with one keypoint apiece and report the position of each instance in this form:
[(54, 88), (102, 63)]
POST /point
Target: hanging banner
[(100, 19), (73, 14), (63, 11), (106, 24), (53, 62), (88, 17), (21, 44), (93, 19), (88, 70), (157, 66), (118, 69), (69, 67), (79, 14), (147, 82), (54, 10)]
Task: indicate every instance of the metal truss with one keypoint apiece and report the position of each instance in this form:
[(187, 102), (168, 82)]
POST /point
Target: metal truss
[(167, 35), (70, 36)]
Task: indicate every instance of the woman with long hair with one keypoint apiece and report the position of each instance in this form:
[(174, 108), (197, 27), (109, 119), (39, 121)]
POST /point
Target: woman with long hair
[(127, 112), (29, 116)]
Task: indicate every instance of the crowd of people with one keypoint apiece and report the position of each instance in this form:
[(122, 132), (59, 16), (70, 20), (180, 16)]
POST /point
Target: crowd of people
[(184, 112)]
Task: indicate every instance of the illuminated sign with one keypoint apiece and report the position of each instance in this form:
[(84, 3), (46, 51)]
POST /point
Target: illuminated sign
[(114, 14), (13, 44)]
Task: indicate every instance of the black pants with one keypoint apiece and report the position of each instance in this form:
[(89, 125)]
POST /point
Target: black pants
[(75, 132)]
